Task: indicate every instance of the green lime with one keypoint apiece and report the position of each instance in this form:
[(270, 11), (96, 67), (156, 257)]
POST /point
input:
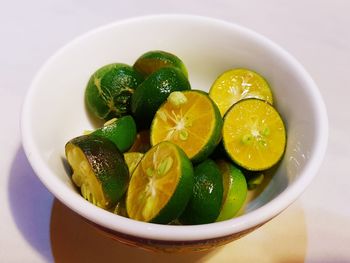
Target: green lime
[(180, 120), (108, 92), (254, 135), (153, 60), (154, 91), (121, 131), (99, 169), (237, 84), (205, 204), (161, 185), (235, 190)]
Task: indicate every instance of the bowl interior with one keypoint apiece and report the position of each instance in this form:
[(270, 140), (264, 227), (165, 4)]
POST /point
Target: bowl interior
[(54, 110)]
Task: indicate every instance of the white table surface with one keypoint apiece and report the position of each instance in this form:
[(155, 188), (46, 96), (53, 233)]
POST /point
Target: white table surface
[(316, 32)]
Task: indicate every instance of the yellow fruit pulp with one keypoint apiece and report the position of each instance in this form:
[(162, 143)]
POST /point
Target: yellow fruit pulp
[(132, 159), (153, 182), (237, 84), (187, 121), (254, 134), (84, 177)]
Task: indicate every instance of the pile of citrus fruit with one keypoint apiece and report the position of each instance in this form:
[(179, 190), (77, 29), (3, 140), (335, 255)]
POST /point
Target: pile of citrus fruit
[(168, 153)]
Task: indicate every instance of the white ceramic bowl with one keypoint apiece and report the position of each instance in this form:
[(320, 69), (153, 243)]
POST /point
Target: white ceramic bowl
[(54, 112)]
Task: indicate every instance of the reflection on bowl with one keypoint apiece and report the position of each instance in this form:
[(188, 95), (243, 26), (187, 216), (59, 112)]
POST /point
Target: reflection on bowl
[(54, 112), (73, 239)]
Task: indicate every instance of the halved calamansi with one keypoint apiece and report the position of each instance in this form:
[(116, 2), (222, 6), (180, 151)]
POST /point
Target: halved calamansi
[(99, 169), (236, 84), (254, 135), (161, 185), (191, 120)]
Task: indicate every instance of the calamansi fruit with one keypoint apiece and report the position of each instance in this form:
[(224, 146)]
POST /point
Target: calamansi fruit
[(108, 92), (254, 134), (205, 204), (237, 84), (99, 169), (154, 91), (151, 61), (191, 120), (161, 185), (235, 190), (121, 131)]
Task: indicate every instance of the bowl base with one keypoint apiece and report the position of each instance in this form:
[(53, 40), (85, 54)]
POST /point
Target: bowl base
[(171, 246)]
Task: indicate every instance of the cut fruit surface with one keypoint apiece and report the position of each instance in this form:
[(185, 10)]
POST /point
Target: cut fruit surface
[(99, 169), (191, 120), (254, 135), (237, 84), (152, 92), (132, 159), (161, 185)]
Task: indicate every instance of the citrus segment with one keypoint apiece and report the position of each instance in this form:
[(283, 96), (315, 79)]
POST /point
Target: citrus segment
[(235, 190), (236, 84), (191, 120), (254, 135), (161, 185)]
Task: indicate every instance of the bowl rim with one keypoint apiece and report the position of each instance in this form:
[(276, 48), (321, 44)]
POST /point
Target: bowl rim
[(171, 232)]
